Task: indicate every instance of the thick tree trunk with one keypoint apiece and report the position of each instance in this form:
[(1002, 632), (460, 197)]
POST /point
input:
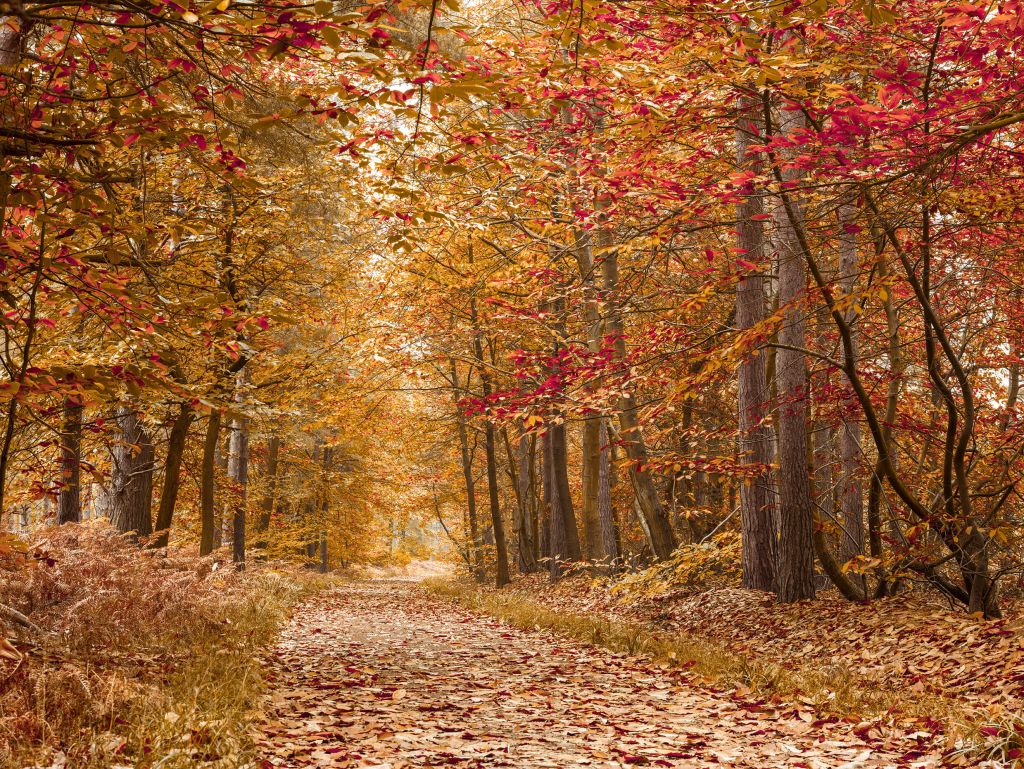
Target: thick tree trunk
[(527, 561), (132, 478), (757, 503), (172, 472), (795, 569), (69, 502), (560, 469), (554, 527), (208, 485)]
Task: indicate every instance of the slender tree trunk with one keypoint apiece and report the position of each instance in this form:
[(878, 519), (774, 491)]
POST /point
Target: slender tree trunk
[(132, 479), (851, 492), (224, 531), (605, 512), (591, 442), (208, 484), (467, 475), (269, 499), (757, 514), (593, 549), (27, 351), (501, 577), (238, 470), (69, 503), (325, 504), (172, 472), (656, 524), (795, 569)]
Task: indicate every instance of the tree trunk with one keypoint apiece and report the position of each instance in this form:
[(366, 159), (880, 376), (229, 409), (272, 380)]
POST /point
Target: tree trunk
[(560, 469), (208, 485), (591, 443), (172, 473), (132, 478), (267, 505), (591, 449), (325, 504), (605, 512), (223, 532), (555, 519), (69, 503), (238, 472), (795, 568), (757, 513), (656, 524), (527, 561), (467, 476), (501, 576), (851, 492)]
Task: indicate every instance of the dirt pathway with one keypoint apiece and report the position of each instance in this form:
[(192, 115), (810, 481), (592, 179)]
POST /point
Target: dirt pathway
[(381, 674)]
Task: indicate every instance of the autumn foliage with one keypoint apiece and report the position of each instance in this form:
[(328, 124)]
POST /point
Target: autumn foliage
[(724, 291)]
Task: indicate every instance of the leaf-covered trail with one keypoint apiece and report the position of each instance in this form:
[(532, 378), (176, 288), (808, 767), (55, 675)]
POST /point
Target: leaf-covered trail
[(381, 674)]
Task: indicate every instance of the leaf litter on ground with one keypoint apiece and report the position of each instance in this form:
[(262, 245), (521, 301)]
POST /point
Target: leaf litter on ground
[(383, 674)]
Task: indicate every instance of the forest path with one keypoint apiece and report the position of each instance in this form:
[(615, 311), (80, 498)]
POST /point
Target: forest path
[(383, 674)]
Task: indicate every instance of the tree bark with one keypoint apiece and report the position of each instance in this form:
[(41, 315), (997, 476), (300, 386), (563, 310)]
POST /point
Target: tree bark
[(605, 512), (172, 472), (593, 549), (795, 568), (757, 495), (267, 505), (501, 577), (132, 478), (527, 546), (656, 524), (467, 476), (560, 468), (69, 502), (555, 520), (325, 504), (851, 492), (238, 472), (208, 484)]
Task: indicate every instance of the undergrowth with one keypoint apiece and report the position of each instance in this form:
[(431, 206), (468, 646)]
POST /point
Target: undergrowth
[(147, 658)]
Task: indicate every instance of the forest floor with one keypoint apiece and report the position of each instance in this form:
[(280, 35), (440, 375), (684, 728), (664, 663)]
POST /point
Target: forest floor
[(906, 650), (386, 674)]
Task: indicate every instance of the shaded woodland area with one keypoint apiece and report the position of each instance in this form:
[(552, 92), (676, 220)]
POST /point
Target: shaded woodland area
[(671, 294)]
